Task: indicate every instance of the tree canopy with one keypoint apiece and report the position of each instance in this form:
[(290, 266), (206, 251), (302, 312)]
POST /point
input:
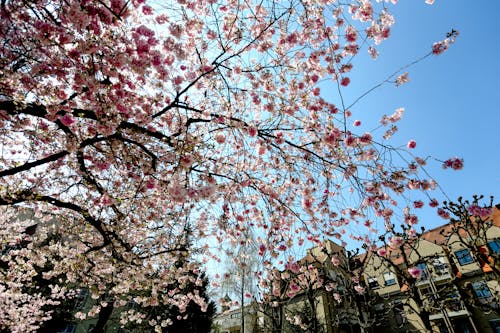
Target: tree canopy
[(133, 127)]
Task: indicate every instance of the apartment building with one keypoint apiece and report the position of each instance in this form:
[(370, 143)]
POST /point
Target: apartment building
[(230, 321), (314, 294), (456, 283), (454, 286)]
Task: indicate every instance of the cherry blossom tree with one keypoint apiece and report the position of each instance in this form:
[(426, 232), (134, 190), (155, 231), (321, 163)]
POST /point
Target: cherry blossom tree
[(139, 126)]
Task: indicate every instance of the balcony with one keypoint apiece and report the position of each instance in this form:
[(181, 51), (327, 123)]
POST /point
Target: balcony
[(452, 308), (439, 273)]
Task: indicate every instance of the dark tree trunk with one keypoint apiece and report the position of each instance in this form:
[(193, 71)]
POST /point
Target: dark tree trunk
[(104, 316)]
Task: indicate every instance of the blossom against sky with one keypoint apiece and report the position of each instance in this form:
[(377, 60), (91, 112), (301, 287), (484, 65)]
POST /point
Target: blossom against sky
[(450, 101)]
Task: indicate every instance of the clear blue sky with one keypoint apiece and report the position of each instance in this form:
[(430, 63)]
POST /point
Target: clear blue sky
[(452, 101)]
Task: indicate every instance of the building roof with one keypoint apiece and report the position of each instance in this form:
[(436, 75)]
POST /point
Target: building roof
[(438, 235), (495, 215)]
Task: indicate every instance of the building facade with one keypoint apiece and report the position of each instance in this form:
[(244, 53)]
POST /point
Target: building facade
[(444, 281)]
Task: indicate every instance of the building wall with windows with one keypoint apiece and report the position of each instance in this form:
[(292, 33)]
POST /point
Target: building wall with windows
[(459, 288), (380, 276), (230, 321), (462, 256)]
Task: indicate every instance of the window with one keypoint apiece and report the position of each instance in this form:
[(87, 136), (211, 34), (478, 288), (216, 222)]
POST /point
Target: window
[(379, 307), (423, 268), (452, 301), (494, 246), (440, 266), (69, 329), (81, 298), (482, 291), (495, 325), (131, 304), (426, 292), (399, 313), (464, 257), (373, 283), (389, 278)]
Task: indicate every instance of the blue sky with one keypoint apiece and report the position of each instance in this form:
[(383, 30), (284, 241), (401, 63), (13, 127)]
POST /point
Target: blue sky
[(452, 101)]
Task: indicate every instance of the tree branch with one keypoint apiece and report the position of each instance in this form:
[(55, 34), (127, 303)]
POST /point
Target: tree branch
[(29, 165)]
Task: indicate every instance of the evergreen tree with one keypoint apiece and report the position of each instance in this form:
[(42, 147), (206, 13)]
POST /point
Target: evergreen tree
[(194, 319)]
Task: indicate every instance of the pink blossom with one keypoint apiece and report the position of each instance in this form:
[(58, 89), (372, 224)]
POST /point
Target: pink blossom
[(411, 144), (420, 161), (67, 119), (413, 184), (433, 203), (441, 46), (411, 219), (418, 204), (443, 213), (345, 81), (178, 80), (101, 166), (482, 212), (412, 233), (106, 200), (395, 241), (177, 192), (335, 261), (373, 52), (279, 138), (364, 12), (294, 267), (351, 34), (147, 10), (307, 203), (415, 272), (350, 141), (186, 160), (359, 289), (144, 31), (396, 116), (454, 163), (402, 79), (365, 139), (150, 184), (357, 123), (220, 138), (332, 136), (252, 131)]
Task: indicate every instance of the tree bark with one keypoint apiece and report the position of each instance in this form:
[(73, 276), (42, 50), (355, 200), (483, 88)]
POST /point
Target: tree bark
[(104, 316)]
